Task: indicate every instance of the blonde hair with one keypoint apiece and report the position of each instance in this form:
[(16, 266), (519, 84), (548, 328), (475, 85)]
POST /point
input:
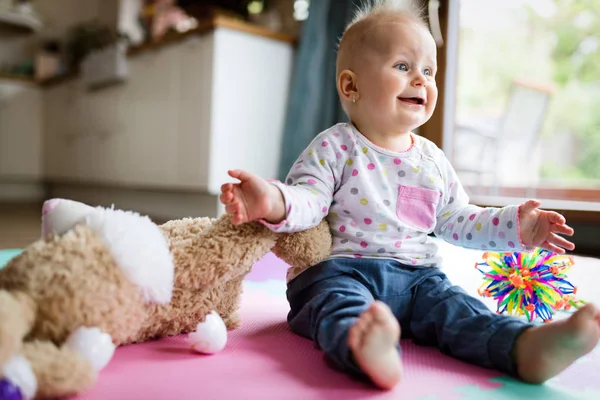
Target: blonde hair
[(406, 8), (367, 15)]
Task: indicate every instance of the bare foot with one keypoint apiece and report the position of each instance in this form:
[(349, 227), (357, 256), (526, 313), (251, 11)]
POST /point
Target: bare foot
[(544, 351), (373, 341)]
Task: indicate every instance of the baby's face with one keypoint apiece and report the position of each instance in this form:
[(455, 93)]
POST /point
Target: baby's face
[(396, 80)]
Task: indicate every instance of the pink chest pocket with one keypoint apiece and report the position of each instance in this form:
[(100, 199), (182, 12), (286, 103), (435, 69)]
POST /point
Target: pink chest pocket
[(417, 207)]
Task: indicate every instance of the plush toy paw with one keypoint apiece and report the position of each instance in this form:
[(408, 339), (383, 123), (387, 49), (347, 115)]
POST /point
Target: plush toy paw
[(210, 336), (19, 381), (93, 344)]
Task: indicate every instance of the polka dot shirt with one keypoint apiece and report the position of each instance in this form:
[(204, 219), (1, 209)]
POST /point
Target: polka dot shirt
[(382, 204)]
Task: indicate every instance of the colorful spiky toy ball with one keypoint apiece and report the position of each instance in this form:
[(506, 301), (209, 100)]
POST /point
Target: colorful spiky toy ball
[(531, 284)]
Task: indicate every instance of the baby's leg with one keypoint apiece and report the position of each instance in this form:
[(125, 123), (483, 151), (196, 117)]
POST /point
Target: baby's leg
[(447, 317), (462, 326), (338, 312)]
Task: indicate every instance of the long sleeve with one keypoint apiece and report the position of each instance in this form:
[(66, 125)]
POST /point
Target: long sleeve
[(310, 184), (470, 226)]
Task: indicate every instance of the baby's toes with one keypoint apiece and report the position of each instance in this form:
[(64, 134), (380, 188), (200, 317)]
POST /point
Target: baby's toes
[(587, 312), (358, 330), (353, 336), (368, 316)]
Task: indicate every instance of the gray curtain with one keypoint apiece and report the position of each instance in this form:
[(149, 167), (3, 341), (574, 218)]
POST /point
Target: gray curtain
[(313, 104)]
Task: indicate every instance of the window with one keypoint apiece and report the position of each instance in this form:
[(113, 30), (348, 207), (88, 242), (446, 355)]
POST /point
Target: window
[(522, 97)]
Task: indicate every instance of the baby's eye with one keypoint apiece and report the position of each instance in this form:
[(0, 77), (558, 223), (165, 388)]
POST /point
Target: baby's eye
[(427, 72), (402, 67)]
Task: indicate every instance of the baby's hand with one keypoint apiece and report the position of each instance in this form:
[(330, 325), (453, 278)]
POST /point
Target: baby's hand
[(539, 228), (251, 199)]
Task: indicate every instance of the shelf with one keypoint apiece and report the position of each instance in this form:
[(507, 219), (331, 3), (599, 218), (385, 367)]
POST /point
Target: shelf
[(16, 79), (204, 26), (20, 20), (210, 23)]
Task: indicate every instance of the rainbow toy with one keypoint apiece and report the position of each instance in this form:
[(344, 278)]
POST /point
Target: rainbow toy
[(531, 284)]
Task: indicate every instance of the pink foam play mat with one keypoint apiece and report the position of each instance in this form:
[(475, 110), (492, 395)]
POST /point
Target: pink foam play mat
[(264, 360)]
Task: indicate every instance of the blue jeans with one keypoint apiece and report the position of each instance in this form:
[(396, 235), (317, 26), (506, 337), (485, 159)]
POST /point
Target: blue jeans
[(327, 299)]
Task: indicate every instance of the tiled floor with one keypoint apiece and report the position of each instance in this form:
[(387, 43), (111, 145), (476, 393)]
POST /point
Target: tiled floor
[(20, 224)]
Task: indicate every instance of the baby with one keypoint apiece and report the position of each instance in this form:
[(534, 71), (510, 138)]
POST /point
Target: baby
[(383, 189)]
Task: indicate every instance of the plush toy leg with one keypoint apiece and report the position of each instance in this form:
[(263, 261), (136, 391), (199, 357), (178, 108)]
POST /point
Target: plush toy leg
[(48, 372), (60, 372), (228, 303), (17, 379), (96, 346), (17, 313)]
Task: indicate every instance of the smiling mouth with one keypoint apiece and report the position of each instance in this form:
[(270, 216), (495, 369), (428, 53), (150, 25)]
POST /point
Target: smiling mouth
[(413, 100)]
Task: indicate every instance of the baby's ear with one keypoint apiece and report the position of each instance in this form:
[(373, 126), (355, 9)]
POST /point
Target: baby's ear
[(347, 85), (305, 248)]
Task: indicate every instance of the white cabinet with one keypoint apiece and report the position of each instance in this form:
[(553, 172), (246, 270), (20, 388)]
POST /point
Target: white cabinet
[(20, 132), (140, 145), (77, 128), (250, 85), (189, 112)]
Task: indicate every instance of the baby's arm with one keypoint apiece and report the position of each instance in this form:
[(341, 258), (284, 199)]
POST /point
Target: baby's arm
[(472, 226), (309, 187), (522, 227)]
